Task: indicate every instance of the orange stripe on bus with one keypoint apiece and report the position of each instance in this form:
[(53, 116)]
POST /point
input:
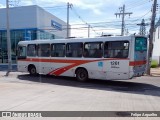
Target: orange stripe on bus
[(131, 63), (135, 63), (54, 60), (64, 69), (61, 70), (67, 60)]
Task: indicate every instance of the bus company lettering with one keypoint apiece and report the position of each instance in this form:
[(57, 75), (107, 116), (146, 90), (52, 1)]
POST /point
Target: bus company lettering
[(114, 64)]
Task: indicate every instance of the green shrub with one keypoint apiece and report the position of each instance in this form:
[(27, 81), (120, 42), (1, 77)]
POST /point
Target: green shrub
[(154, 64)]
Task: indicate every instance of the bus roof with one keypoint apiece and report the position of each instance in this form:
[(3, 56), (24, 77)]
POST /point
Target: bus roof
[(110, 38)]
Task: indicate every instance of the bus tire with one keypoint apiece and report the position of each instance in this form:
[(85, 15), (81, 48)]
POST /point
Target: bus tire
[(32, 70), (81, 74)]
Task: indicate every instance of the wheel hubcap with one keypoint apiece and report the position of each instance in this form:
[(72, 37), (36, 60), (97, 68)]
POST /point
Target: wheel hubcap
[(33, 70), (82, 75)]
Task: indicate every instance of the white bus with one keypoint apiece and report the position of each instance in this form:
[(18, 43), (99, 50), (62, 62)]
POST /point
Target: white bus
[(107, 58)]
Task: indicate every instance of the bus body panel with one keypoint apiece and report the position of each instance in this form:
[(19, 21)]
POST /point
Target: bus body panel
[(22, 66), (117, 69), (97, 68)]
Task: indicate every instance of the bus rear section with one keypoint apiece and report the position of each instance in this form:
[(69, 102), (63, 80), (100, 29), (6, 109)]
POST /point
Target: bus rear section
[(139, 62), (117, 59)]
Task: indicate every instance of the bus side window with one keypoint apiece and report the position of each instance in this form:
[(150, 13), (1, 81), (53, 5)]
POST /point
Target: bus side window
[(116, 49), (93, 50), (74, 49), (97, 53), (119, 55), (44, 50), (31, 50), (85, 53), (58, 50), (106, 54)]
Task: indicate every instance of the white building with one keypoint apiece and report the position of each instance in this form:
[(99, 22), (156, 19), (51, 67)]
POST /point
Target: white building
[(28, 23), (156, 47)]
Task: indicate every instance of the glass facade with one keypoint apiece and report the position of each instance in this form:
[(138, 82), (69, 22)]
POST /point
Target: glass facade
[(19, 35)]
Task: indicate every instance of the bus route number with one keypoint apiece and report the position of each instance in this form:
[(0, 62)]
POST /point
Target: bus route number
[(114, 64)]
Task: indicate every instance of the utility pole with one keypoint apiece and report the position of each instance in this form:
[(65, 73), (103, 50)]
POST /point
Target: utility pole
[(151, 36), (89, 31), (126, 31), (123, 13), (68, 6), (8, 38), (142, 30)]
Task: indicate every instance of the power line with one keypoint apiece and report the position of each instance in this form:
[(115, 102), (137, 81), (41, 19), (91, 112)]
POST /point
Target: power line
[(54, 7), (142, 30), (14, 3), (134, 5), (123, 13), (110, 22), (89, 26)]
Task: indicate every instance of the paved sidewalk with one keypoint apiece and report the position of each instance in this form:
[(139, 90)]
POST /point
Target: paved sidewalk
[(155, 71), (22, 92)]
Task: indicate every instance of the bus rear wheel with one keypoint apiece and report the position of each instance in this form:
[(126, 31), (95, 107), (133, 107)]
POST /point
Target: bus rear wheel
[(82, 75), (32, 70)]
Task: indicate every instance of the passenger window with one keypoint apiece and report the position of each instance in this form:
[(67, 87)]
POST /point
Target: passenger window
[(44, 50), (74, 49), (93, 50), (58, 50), (116, 49), (31, 50)]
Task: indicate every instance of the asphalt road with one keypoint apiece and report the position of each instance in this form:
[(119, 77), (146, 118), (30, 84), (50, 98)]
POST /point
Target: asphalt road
[(22, 92)]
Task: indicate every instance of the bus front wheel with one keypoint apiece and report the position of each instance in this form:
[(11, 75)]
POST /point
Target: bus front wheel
[(82, 75), (32, 70)]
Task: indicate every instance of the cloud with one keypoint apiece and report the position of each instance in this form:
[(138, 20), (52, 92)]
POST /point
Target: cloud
[(82, 31), (93, 11), (81, 4), (95, 6), (27, 2), (2, 6), (92, 5)]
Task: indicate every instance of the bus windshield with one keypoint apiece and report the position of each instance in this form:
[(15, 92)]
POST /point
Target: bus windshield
[(21, 52), (140, 44)]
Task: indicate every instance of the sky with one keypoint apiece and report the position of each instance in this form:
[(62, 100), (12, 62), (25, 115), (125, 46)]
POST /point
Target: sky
[(99, 14)]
